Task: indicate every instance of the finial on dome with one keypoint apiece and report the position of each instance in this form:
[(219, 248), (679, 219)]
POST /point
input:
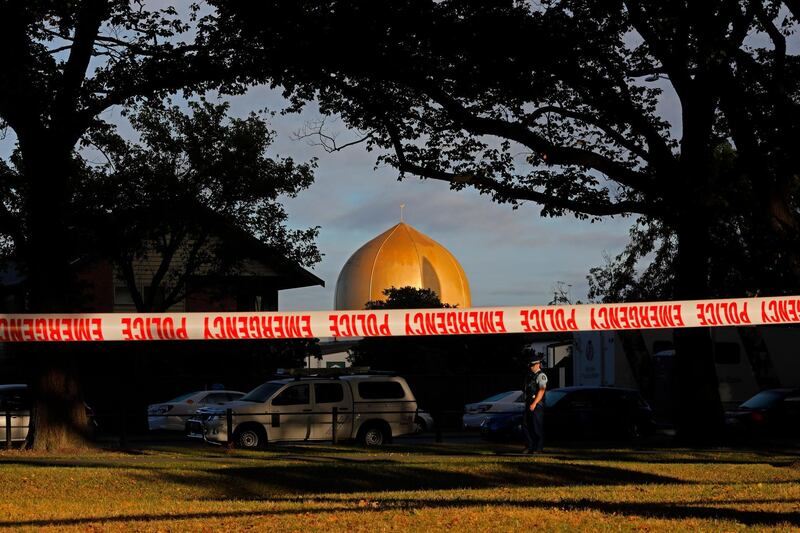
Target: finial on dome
[(402, 206)]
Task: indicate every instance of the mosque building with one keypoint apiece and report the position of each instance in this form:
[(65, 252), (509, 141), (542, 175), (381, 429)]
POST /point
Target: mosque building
[(400, 257)]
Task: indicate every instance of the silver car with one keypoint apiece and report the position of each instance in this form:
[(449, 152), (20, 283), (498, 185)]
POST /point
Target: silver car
[(506, 402), (14, 399), (173, 414)]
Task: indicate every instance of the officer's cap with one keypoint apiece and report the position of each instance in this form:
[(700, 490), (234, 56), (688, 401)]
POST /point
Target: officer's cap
[(536, 359)]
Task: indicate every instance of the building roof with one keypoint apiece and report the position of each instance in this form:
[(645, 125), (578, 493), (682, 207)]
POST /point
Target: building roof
[(399, 257), (290, 275)]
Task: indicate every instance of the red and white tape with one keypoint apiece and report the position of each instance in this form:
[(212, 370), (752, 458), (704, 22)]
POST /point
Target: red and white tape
[(398, 322)]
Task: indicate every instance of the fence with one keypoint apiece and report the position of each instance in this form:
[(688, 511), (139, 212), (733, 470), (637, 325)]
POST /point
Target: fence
[(115, 427)]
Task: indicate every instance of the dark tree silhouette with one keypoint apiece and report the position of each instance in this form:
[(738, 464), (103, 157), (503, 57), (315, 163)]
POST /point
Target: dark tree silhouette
[(176, 195), (64, 64), (451, 355), (453, 90)]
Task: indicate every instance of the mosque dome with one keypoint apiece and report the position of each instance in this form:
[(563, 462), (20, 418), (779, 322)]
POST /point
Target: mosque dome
[(400, 257)]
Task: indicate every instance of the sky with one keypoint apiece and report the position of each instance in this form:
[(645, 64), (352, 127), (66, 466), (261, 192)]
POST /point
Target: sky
[(511, 257)]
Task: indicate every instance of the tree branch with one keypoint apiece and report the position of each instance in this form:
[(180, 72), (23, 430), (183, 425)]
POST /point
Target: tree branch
[(126, 265), (677, 73), (327, 141), (555, 155), (775, 35), (794, 7), (10, 225), (91, 15), (144, 51), (606, 128), (176, 238), (191, 264), (517, 193), (162, 74)]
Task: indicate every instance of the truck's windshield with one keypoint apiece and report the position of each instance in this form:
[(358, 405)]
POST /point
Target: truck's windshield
[(262, 393)]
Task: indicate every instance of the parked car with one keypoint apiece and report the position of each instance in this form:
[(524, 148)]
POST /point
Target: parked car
[(579, 412), (371, 409), (14, 399), (423, 421), (772, 412), (173, 414), (505, 403)]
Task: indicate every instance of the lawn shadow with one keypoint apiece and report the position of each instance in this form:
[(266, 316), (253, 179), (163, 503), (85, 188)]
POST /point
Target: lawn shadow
[(642, 510), (344, 477)]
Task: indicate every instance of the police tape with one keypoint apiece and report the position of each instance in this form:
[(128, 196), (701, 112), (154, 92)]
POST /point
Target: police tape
[(398, 322)]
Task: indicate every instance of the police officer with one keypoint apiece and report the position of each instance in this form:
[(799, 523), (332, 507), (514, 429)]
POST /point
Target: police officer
[(533, 421)]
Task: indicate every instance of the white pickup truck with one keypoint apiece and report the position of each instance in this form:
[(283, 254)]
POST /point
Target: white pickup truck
[(370, 408)]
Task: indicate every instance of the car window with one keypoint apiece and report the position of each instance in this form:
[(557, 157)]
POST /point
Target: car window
[(579, 400), (181, 397), (328, 392), (520, 398), (381, 390), (618, 399), (234, 396), (215, 397), (14, 400), (262, 393), (294, 395), (552, 397), (763, 400), (495, 398)]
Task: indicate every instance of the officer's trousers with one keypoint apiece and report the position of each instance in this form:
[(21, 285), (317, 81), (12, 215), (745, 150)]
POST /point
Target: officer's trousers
[(534, 428)]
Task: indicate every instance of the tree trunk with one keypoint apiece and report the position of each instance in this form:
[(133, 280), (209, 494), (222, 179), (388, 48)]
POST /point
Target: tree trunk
[(60, 419), (698, 410), (59, 415)]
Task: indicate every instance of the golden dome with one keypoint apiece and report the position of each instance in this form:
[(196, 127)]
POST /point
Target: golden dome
[(400, 257)]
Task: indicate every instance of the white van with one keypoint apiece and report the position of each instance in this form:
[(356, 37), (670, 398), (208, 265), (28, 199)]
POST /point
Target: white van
[(371, 409)]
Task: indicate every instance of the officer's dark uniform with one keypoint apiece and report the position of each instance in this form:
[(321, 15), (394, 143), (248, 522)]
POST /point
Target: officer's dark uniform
[(533, 421)]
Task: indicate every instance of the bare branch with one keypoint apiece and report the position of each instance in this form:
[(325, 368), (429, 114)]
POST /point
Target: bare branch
[(327, 141)]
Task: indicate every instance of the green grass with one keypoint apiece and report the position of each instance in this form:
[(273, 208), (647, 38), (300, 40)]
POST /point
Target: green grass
[(426, 488)]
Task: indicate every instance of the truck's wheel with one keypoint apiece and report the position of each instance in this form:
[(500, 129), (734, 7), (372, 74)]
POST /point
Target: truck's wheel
[(374, 435), (250, 437)]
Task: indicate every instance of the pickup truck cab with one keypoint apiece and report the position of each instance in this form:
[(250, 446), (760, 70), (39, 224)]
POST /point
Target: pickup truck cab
[(370, 408)]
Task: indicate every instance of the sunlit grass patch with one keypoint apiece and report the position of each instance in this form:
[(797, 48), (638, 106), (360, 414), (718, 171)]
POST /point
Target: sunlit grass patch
[(323, 488)]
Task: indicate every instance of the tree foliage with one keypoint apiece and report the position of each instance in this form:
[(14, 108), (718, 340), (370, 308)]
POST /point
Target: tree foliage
[(408, 298), (184, 191), (450, 355), (64, 65)]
